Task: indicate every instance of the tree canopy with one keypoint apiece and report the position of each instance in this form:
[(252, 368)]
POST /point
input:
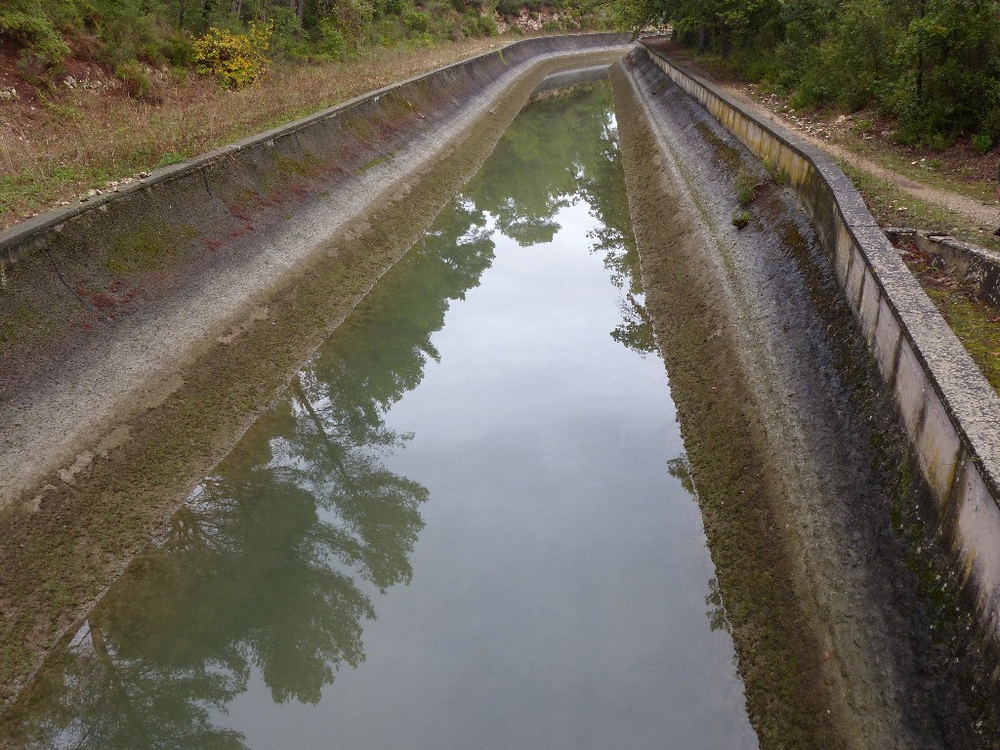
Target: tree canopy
[(158, 32)]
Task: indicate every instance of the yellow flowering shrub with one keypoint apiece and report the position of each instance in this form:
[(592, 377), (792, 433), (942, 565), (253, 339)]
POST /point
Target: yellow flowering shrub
[(237, 60)]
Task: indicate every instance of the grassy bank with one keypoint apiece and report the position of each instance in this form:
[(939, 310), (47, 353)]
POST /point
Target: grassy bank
[(91, 135)]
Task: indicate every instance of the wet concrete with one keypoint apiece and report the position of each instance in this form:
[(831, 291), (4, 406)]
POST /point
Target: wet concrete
[(794, 445), (842, 612)]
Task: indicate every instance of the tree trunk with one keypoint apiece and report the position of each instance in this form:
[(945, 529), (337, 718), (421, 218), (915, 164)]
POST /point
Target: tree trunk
[(920, 60)]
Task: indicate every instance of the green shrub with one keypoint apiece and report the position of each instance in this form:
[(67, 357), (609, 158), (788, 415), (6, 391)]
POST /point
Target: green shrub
[(24, 22), (982, 143), (236, 60), (476, 24), (755, 65), (353, 18), (741, 217), (125, 35), (177, 50), (989, 124), (134, 75), (287, 38), (331, 42), (416, 21), (509, 7)]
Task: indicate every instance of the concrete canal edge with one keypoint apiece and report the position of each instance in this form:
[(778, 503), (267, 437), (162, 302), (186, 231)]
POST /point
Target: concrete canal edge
[(950, 412), (140, 335)]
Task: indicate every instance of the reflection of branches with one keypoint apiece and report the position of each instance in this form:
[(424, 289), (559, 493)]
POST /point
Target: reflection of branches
[(636, 329), (109, 702), (538, 167), (268, 567), (718, 618), (680, 470), (264, 567)]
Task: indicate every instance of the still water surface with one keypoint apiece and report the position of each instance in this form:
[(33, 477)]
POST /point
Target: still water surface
[(466, 524)]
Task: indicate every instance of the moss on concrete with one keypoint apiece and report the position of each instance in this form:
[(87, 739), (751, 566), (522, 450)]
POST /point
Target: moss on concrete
[(151, 246)]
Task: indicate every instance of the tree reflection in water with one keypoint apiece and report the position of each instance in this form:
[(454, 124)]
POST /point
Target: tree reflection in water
[(271, 567), (538, 168)]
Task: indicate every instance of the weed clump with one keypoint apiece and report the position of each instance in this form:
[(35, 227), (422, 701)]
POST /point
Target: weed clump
[(746, 187)]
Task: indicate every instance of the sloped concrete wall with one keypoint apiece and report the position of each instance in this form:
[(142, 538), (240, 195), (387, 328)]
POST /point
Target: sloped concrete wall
[(105, 255), (951, 414)]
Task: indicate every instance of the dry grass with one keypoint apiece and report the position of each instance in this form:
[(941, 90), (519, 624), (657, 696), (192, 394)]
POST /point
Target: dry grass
[(54, 151)]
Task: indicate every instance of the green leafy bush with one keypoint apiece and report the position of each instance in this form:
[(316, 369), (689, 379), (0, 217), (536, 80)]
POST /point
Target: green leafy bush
[(24, 22), (236, 60), (416, 21), (982, 143), (331, 42), (135, 77)]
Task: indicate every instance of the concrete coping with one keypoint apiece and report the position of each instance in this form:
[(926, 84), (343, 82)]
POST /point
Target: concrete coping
[(966, 261)]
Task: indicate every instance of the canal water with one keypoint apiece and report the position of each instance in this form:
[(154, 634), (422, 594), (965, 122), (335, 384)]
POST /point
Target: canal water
[(467, 523)]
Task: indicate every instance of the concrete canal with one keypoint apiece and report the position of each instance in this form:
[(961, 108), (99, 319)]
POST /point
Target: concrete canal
[(465, 524), (588, 467)]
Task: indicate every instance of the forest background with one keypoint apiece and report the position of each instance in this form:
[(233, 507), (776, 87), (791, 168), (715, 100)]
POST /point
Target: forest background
[(94, 92)]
